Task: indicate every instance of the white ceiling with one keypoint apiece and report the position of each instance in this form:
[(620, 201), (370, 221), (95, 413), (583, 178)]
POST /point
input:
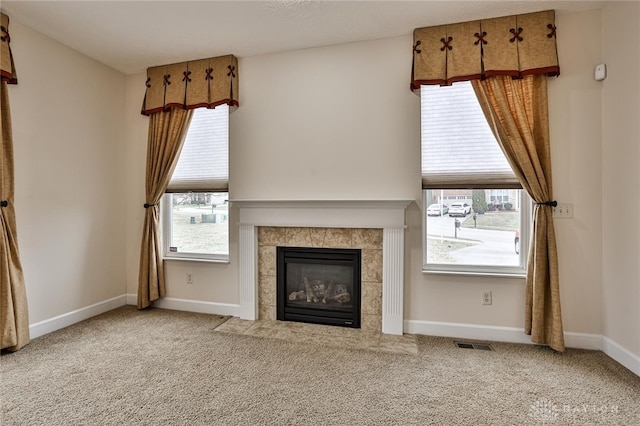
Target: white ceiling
[(133, 35)]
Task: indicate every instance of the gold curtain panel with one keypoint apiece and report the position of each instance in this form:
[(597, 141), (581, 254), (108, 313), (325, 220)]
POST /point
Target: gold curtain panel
[(194, 84), (7, 68), (515, 46)]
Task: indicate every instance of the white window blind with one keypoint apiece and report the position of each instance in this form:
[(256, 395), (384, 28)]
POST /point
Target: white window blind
[(203, 165), (458, 147)]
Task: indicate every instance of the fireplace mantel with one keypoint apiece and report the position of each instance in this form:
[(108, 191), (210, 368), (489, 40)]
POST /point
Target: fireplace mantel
[(388, 214), (323, 213)]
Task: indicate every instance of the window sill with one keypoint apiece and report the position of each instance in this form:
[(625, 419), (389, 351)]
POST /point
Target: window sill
[(196, 259), (493, 274)]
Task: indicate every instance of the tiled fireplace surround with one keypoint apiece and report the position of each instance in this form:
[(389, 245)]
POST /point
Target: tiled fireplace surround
[(368, 240), (374, 226)]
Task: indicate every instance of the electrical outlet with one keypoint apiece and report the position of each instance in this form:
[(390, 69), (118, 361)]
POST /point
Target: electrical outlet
[(189, 278), (486, 297), (563, 211)]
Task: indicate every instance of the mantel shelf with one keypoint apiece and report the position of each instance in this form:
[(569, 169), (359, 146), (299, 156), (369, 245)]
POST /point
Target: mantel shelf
[(346, 203), (381, 213)]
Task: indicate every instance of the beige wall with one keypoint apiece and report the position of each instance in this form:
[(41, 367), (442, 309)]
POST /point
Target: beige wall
[(574, 108), (68, 138), (620, 174), (327, 123)]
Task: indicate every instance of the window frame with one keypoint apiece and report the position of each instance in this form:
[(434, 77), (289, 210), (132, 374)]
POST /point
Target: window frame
[(167, 232), (519, 271), (200, 185), (498, 177)]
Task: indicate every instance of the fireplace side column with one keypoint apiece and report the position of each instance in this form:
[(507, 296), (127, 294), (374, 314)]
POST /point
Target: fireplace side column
[(248, 262), (392, 280)]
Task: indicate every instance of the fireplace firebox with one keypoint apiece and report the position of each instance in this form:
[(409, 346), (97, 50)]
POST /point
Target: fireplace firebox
[(319, 285)]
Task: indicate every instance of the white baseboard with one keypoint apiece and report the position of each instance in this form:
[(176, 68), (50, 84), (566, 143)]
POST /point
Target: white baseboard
[(495, 333), (466, 331), (622, 355), (583, 341), (132, 299), (191, 305), (61, 321)]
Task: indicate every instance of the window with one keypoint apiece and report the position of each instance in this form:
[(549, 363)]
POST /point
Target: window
[(196, 206), (476, 216)]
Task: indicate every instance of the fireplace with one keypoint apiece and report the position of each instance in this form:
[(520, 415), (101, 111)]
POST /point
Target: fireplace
[(319, 285), (375, 226)]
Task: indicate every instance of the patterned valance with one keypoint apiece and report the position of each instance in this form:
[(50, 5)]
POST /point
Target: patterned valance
[(513, 45), (194, 84), (7, 68)]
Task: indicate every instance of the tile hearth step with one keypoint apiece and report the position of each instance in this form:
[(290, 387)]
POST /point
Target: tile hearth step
[(322, 335)]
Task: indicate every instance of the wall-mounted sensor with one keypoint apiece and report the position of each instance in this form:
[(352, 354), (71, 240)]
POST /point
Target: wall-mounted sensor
[(601, 72)]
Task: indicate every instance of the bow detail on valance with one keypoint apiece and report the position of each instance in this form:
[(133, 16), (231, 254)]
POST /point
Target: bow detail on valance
[(513, 45), (194, 84)]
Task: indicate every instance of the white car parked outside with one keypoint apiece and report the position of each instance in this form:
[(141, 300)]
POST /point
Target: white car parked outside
[(459, 209), (437, 210)]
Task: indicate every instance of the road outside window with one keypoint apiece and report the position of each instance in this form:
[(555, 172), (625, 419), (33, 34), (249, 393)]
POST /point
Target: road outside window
[(478, 233)]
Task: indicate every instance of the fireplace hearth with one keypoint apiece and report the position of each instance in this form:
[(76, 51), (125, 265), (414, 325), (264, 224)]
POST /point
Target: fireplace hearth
[(319, 285)]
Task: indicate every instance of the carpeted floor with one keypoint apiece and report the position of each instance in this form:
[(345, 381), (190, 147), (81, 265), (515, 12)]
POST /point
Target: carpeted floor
[(160, 367)]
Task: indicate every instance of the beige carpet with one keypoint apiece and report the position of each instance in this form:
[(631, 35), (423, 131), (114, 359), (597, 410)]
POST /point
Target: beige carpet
[(160, 367)]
